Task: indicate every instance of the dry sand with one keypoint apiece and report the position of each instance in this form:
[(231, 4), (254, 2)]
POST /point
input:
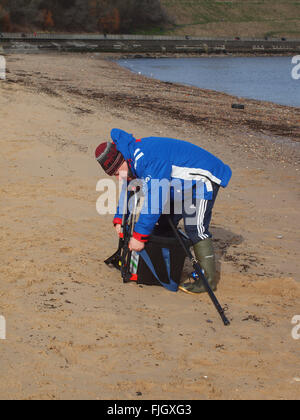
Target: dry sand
[(74, 331)]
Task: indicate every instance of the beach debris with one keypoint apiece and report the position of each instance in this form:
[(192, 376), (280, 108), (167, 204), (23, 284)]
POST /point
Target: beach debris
[(252, 318), (279, 237), (238, 106)]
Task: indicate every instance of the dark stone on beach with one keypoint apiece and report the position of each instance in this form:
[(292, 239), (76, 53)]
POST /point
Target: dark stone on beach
[(237, 106)]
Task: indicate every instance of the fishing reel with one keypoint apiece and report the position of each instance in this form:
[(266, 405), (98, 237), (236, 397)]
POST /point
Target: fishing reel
[(194, 276)]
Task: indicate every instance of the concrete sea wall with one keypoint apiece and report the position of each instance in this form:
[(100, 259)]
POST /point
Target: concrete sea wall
[(142, 44)]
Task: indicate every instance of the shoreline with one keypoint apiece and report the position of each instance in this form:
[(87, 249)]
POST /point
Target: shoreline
[(74, 330), (295, 142), (239, 98), (258, 115), (197, 55)]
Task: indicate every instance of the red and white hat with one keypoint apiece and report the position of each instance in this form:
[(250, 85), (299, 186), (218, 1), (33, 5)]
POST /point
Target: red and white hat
[(109, 158)]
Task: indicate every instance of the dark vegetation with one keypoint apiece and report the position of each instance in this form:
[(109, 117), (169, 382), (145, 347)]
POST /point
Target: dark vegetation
[(205, 18), (105, 16)]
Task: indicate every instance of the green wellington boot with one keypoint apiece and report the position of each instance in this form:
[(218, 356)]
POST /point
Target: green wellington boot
[(205, 255)]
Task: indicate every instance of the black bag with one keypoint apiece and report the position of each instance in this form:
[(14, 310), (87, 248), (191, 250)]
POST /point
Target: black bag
[(165, 263)]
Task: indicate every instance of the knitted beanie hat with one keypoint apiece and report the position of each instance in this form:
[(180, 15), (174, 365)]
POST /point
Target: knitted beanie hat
[(109, 158)]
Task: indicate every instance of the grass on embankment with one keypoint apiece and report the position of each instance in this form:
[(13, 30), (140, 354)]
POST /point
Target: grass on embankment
[(243, 18)]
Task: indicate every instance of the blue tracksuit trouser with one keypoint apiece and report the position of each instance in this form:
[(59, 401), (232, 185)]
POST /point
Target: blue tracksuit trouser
[(196, 220)]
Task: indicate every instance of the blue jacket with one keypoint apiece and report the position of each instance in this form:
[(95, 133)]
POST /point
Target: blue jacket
[(164, 158)]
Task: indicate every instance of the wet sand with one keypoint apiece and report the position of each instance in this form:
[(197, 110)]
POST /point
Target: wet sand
[(73, 329)]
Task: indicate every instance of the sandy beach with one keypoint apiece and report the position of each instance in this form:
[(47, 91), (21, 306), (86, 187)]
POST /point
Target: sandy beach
[(74, 331)]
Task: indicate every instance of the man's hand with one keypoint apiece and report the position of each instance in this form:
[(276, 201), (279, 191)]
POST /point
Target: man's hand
[(118, 229), (135, 245)]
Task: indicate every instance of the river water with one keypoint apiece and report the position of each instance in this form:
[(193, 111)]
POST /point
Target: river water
[(262, 78)]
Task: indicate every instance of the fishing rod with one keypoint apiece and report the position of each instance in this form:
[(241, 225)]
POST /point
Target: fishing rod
[(116, 258), (128, 229), (198, 270)]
